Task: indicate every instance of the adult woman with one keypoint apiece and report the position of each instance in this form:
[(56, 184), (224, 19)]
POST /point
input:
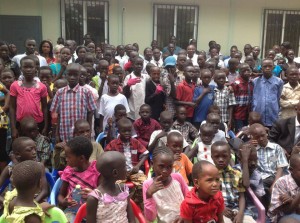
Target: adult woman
[(46, 50), (8, 63)]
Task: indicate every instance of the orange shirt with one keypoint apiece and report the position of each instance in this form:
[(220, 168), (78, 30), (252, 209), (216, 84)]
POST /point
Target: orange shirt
[(183, 166)]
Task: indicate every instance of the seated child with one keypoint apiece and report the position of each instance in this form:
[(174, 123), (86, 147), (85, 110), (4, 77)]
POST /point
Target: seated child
[(204, 203), (182, 164), (19, 204), (158, 192), (134, 151), (145, 125), (24, 148), (232, 187), (215, 120), (110, 202), (78, 172), (271, 159), (244, 134), (159, 137), (111, 129), (286, 193), (189, 132), (29, 128)]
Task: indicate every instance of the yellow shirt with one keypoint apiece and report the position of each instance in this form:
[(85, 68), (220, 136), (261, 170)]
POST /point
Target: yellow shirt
[(292, 99)]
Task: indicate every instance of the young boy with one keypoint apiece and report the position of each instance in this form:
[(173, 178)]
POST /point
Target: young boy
[(215, 120), (72, 102), (286, 193), (271, 159), (203, 97), (182, 164), (155, 95), (185, 92), (134, 88), (233, 74), (231, 184), (145, 125), (188, 131), (134, 151), (109, 101), (290, 95), (244, 134), (45, 76), (243, 90), (224, 98), (204, 203)]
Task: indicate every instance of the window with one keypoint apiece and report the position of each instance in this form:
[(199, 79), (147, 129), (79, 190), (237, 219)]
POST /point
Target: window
[(280, 26), (178, 20), (85, 16)]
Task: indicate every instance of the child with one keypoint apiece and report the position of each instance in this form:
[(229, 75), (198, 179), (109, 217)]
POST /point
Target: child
[(31, 93), (286, 193), (134, 88), (110, 100), (188, 131), (155, 95), (232, 187), (58, 69), (72, 102), (145, 125), (271, 159), (117, 70), (78, 172), (233, 64), (204, 203), (45, 76), (203, 97), (244, 134), (134, 151), (243, 91), (182, 163), (100, 80), (185, 92), (158, 192), (224, 98), (110, 202), (290, 94), (23, 149), (215, 120), (29, 128), (19, 204)]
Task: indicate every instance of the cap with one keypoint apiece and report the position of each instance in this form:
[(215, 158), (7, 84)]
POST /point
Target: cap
[(170, 61)]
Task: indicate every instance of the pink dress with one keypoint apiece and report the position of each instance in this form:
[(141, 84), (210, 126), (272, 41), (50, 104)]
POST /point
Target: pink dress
[(111, 209), (86, 179)]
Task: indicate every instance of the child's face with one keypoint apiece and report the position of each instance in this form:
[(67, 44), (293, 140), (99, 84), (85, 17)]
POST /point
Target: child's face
[(138, 66), (71, 158), (27, 152), (4, 52), (293, 76), (73, 76), (181, 60), (83, 129), (7, 78), (208, 182), (181, 114), (155, 74), (206, 78), (267, 67), (175, 144), (81, 53), (166, 123), (215, 122), (261, 136), (201, 60), (156, 54), (145, 113), (245, 72), (252, 161), (189, 73), (148, 54), (125, 132), (221, 156), (120, 114), (103, 68), (220, 79), (207, 136), (271, 54), (163, 165), (196, 73), (58, 85), (119, 73), (28, 68), (65, 55), (30, 130), (113, 84), (290, 55), (45, 76)]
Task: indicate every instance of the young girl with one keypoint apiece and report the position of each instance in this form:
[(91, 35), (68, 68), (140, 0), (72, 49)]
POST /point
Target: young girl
[(110, 201), (78, 172), (19, 204), (158, 192), (31, 93), (58, 69)]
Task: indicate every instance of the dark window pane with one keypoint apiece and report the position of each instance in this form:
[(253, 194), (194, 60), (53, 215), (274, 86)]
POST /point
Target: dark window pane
[(96, 21), (165, 25), (74, 20), (274, 30), (292, 30)]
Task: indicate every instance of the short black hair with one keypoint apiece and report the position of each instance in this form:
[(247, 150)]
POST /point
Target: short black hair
[(17, 143), (80, 145), (124, 122), (145, 106), (46, 68), (161, 150), (220, 143), (27, 58), (206, 127), (198, 168), (119, 107), (112, 76)]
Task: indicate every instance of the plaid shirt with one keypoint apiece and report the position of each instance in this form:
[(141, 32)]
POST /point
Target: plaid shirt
[(284, 185), (71, 105), (231, 186), (243, 92), (42, 148), (188, 131), (223, 99), (269, 159)]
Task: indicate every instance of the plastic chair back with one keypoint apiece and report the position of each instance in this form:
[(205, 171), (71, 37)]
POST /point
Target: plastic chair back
[(260, 208), (55, 191), (100, 138), (81, 214), (50, 180), (57, 215), (231, 134), (4, 186)]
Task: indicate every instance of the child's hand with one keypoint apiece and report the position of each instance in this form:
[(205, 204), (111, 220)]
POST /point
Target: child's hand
[(245, 152), (85, 192), (69, 202), (192, 104), (285, 199), (133, 81), (159, 89), (254, 142), (63, 65), (14, 133), (46, 206), (156, 185), (134, 170), (177, 157), (228, 213), (110, 122), (238, 218), (206, 90)]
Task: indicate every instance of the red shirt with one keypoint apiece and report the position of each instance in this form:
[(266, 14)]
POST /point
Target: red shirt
[(198, 211), (144, 130), (185, 92), (136, 148)]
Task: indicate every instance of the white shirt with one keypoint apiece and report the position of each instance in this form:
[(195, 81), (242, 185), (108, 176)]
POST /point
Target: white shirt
[(75, 57), (108, 104), (122, 60), (159, 63), (297, 130), (204, 152), (194, 59), (17, 59)]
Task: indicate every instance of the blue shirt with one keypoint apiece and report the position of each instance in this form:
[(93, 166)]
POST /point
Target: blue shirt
[(266, 96), (201, 110), (176, 50)]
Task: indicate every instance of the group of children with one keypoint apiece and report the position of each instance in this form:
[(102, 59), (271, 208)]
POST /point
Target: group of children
[(171, 113)]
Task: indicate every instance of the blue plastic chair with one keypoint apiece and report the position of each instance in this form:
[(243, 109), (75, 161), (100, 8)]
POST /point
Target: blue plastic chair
[(55, 191), (5, 185), (231, 134), (100, 137)]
